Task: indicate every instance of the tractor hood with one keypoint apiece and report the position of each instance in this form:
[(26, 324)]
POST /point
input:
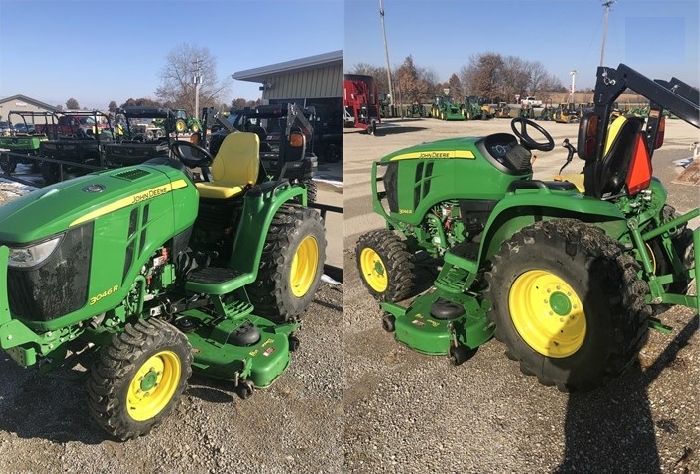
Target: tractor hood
[(54, 209), (441, 149)]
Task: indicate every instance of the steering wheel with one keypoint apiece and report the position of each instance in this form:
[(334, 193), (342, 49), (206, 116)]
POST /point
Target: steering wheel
[(193, 156), (526, 140)]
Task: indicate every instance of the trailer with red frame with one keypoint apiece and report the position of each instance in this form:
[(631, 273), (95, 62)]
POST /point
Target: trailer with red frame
[(361, 102)]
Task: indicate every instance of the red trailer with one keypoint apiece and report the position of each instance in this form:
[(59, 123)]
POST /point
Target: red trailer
[(361, 102)]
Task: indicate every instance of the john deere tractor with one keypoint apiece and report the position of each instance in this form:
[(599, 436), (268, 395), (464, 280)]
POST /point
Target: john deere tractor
[(445, 108), (564, 276), (185, 122), (163, 275), (475, 109)]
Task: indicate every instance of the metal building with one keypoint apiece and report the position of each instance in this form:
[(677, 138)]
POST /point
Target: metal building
[(313, 80), (22, 103)]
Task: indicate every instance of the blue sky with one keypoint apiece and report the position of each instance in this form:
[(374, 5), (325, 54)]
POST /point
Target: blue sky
[(658, 38), (101, 50)]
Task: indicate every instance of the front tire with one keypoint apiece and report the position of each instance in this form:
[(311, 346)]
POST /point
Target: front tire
[(139, 378), (291, 264), (385, 265), (567, 303)]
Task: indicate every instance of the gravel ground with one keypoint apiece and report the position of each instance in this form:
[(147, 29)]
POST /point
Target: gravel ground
[(411, 413)]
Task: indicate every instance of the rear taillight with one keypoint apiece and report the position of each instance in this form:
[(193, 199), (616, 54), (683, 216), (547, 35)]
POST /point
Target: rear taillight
[(296, 139)]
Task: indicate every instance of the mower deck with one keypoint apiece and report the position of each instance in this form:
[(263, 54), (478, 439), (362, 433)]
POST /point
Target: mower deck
[(249, 347), (438, 320)]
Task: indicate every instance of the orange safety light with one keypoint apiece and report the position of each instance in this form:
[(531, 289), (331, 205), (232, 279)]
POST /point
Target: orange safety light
[(639, 175), (296, 139)]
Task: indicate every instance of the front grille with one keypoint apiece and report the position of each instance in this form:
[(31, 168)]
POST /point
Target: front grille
[(59, 285)]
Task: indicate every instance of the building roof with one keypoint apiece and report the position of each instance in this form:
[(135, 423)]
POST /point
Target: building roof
[(312, 62), (29, 100)]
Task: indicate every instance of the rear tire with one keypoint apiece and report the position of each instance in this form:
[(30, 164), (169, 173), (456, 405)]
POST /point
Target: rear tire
[(385, 265), (311, 189), (567, 303), (50, 172), (7, 164), (291, 264), (139, 378)]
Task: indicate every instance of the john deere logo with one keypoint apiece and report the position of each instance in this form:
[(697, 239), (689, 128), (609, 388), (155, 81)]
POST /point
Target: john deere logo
[(94, 188)]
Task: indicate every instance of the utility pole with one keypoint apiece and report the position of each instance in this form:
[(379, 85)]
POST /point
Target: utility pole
[(197, 81), (573, 85), (386, 52), (606, 4)]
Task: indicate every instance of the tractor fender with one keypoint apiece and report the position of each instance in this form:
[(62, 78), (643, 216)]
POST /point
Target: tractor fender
[(260, 204), (524, 207)]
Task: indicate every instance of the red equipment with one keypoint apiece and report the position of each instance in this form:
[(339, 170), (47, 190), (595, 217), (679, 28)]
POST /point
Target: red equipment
[(361, 102)]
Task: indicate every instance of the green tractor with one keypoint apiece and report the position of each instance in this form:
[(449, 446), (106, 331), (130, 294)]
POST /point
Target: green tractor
[(185, 122), (445, 108), (564, 277), (163, 275), (416, 110), (527, 111), (547, 112), (474, 109)]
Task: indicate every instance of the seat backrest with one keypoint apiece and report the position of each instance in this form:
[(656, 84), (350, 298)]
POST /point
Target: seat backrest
[(238, 160), (617, 155)]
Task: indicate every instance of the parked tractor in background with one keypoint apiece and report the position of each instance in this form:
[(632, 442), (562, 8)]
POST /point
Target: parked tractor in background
[(476, 109), (185, 122), (386, 108), (566, 113), (445, 108), (416, 110), (361, 102), (564, 272), (527, 111), (547, 112), (502, 110)]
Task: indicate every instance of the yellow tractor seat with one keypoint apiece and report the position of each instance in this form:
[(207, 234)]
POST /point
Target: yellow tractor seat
[(235, 166)]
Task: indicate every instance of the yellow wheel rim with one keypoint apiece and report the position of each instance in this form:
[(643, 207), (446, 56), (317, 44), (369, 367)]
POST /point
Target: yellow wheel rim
[(547, 313), (154, 385), (180, 125), (304, 266), (373, 270)]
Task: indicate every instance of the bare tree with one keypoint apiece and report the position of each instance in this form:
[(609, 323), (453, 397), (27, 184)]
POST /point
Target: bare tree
[(72, 104), (377, 72), (456, 89), (177, 75), (409, 85)]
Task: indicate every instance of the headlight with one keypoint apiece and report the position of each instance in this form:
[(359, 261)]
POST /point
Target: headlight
[(26, 257)]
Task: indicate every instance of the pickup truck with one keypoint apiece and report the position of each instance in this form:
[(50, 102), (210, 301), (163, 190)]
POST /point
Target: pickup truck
[(531, 101), (73, 124)]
